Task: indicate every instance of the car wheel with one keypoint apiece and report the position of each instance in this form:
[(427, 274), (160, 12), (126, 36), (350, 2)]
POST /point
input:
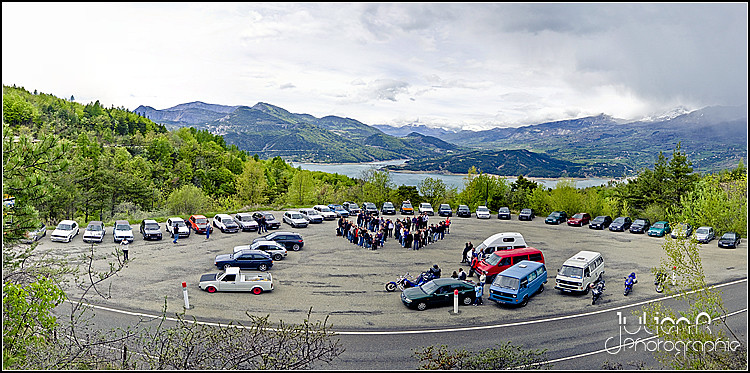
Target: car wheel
[(262, 267), (277, 257), (257, 290), (467, 301), (422, 306), (296, 247), (525, 301), (226, 266), (211, 289), (541, 289)]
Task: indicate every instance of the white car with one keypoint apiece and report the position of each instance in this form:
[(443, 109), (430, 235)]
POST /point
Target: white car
[(122, 231), (233, 279), (225, 223), (182, 228), (704, 234), (276, 250), (482, 212), (426, 208), (312, 215), (94, 232), (245, 221), (36, 234), (326, 212), (295, 219), (65, 231)]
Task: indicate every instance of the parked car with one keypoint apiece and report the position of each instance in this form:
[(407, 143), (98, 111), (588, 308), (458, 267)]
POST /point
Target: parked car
[(388, 209), (36, 234), (295, 219), (518, 283), (150, 229), (352, 208), (199, 224), (291, 240), (503, 213), (729, 240), (501, 260), (600, 222), (339, 210), (233, 279), (245, 259), (556, 217), (182, 228), (682, 230), (406, 208), (276, 250), (580, 219), (370, 208), (311, 215), (325, 212), (426, 208), (245, 221), (94, 232), (65, 231), (580, 271), (640, 226), (463, 211), (501, 241), (704, 234), (122, 231), (621, 224), (526, 214), (225, 223), (482, 212), (445, 210), (271, 221), (438, 292), (659, 229)]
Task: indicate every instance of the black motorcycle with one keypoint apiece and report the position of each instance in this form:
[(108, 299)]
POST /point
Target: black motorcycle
[(596, 291)]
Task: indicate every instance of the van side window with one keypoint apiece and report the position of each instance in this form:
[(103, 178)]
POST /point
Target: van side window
[(524, 282), (519, 258), (586, 272), (535, 257), (599, 261), (508, 239), (539, 271), (505, 261), (532, 276)]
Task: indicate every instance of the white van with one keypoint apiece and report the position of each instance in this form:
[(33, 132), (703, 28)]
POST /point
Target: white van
[(579, 271), (502, 241)]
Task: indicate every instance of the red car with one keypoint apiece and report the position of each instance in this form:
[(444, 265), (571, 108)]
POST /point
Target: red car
[(580, 219), (199, 224), (503, 259)]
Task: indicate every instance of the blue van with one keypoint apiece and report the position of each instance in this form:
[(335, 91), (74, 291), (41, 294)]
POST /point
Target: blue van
[(518, 283)]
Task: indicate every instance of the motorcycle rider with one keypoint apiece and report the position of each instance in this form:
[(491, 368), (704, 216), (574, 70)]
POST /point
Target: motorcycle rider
[(435, 271)]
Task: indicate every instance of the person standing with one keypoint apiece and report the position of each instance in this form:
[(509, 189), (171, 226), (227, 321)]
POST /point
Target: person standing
[(175, 233), (208, 230), (124, 247), (467, 248), (478, 292)]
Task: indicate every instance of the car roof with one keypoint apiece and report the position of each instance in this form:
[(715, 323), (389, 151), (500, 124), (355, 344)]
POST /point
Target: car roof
[(253, 251), (242, 213), (521, 269), (582, 257), (97, 222), (223, 215), (149, 221), (197, 216), (520, 250), (118, 222), (68, 221)]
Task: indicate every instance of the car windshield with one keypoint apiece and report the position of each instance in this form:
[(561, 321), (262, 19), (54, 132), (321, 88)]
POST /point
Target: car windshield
[(729, 236), (353, 206), (324, 209), (702, 231), (179, 223), (555, 214), (406, 205), (122, 227), (94, 227), (619, 220), (506, 282), (152, 226), (296, 216), (504, 209), (429, 287), (569, 271), (482, 208), (425, 205), (387, 204), (578, 216), (599, 218), (526, 211), (639, 221), (201, 221), (227, 221), (64, 227), (658, 225), (462, 207), (270, 217), (245, 218), (493, 259)]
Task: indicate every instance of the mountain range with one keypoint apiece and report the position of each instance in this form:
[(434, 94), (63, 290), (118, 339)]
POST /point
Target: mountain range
[(713, 138)]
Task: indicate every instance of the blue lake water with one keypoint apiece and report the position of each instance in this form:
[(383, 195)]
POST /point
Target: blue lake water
[(412, 179)]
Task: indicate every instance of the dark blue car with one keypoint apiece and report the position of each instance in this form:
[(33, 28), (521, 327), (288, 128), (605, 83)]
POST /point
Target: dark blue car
[(245, 259)]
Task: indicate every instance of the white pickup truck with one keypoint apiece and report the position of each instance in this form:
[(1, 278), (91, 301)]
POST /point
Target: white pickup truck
[(233, 279)]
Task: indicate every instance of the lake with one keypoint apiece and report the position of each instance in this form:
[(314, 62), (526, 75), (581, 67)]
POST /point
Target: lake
[(413, 179)]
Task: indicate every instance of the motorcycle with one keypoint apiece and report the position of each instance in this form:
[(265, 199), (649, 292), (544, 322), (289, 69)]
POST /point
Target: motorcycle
[(596, 291), (406, 281), (629, 282), (659, 281)]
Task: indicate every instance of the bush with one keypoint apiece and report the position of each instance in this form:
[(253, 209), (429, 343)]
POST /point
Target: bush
[(188, 199)]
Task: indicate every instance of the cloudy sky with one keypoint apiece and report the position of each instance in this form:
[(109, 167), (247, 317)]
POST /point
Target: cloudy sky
[(451, 65)]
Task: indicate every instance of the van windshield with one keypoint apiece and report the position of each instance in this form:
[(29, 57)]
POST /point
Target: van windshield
[(506, 282), (569, 271), (493, 259)]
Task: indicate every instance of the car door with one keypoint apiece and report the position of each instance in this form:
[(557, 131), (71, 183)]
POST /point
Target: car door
[(246, 261), (442, 295), (228, 283)]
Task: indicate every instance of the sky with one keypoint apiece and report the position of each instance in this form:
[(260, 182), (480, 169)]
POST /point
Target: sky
[(451, 65)]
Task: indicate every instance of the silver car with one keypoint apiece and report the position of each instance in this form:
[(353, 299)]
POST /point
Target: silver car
[(94, 232), (295, 219)]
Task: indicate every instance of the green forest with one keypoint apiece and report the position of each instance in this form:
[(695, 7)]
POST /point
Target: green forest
[(109, 163)]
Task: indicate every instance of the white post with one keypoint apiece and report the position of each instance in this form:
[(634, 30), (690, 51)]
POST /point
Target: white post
[(184, 293), (455, 301), (674, 274)]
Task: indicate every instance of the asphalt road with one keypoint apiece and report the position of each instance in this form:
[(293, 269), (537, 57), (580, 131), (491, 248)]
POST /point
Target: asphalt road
[(345, 283)]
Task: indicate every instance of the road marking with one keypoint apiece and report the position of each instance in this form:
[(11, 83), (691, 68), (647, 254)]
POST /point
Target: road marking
[(403, 332)]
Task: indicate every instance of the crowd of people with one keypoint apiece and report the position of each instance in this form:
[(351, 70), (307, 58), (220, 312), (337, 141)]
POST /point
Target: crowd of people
[(371, 232)]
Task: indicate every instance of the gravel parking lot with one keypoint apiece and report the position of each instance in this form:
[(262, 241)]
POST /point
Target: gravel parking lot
[(345, 283)]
